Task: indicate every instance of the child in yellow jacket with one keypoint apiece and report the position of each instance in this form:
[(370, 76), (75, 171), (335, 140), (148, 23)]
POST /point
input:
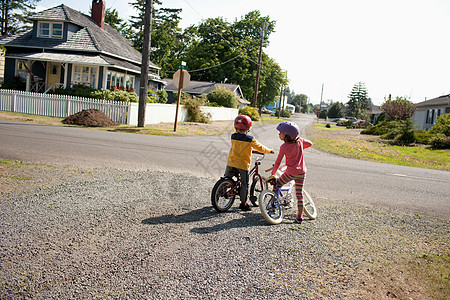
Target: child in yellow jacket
[(240, 156)]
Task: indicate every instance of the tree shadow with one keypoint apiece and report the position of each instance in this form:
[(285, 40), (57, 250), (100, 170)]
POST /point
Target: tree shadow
[(248, 219), (200, 214)]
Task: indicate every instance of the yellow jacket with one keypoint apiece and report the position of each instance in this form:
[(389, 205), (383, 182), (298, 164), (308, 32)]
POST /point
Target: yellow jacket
[(240, 155)]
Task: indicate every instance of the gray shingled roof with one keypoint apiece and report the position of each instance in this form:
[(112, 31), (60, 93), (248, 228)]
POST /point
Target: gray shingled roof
[(442, 100), (89, 38)]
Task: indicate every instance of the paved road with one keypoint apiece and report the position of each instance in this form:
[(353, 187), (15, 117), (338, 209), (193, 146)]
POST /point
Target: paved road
[(329, 176)]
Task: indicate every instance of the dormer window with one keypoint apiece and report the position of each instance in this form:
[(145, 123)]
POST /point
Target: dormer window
[(50, 30)]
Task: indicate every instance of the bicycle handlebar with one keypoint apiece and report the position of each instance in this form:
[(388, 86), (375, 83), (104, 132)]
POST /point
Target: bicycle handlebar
[(257, 152)]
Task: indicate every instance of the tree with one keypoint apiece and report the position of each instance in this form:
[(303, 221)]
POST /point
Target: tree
[(113, 19), (223, 97), (14, 15), (299, 101), (336, 110), (398, 109), (167, 38), (220, 50), (358, 102)]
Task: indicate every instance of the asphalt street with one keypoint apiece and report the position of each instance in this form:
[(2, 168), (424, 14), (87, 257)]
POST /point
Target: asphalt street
[(411, 190)]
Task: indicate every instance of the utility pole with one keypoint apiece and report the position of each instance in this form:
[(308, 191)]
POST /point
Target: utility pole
[(258, 69), (281, 99), (145, 63), (321, 94)]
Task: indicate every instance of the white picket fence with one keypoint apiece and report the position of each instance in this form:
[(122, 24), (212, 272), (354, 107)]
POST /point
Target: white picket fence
[(63, 106), (60, 106)]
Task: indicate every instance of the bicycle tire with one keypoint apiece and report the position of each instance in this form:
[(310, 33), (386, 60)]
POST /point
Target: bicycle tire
[(309, 208), (219, 200), (273, 215), (256, 189)]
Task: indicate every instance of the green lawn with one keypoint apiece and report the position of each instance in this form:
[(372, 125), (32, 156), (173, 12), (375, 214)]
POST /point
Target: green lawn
[(350, 143)]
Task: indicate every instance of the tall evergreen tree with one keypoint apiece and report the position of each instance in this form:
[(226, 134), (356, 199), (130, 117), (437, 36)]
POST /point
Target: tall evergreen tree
[(14, 15), (359, 101)]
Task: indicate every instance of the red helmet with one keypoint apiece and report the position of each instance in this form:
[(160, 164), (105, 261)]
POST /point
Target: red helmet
[(242, 122)]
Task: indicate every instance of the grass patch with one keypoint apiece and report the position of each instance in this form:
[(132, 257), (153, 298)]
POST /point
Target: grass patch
[(350, 143), (435, 270), (16, 177)]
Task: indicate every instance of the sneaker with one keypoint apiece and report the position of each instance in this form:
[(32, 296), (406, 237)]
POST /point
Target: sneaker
[(299, 220), (244, 206)]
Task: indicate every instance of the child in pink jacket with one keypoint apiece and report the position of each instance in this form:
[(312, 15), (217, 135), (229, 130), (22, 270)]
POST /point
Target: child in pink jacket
[(292, 149)]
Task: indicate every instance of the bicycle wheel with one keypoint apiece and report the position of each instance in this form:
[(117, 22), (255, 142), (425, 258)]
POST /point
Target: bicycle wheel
[(272, 214), (220, 198), (256, 189), (309, 208)]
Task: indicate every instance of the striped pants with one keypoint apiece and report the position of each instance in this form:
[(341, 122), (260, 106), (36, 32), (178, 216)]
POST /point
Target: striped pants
[(299, 180)]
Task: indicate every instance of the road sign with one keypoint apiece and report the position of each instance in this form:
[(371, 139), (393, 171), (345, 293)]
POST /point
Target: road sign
[(184, 82)]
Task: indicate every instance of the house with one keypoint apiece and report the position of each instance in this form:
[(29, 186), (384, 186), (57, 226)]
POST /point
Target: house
[(427, 111), (197, 88), (65, 48), (374, 111)]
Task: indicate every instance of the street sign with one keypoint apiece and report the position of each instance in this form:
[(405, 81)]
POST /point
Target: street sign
[(184, 82), (181, 67)]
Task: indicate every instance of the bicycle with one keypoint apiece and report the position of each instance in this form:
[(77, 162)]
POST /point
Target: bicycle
[(226, 189), (272, 203)]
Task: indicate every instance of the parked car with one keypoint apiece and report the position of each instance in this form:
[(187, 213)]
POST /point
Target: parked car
[(266, 111), (360, 124), (351, 118), (336, 119)]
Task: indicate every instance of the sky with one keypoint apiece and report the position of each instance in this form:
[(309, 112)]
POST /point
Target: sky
[(395, 47)]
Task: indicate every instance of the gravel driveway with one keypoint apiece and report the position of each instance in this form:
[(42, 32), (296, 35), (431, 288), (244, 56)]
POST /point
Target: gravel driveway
[(153, 235)]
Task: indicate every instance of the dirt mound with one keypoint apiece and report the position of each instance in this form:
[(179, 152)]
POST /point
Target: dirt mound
[(90, 118)]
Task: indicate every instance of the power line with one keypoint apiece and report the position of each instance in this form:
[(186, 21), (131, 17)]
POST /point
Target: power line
[(268, 79)]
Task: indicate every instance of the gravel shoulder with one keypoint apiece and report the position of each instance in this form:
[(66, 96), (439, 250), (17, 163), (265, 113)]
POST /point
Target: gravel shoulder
[(71, 233)]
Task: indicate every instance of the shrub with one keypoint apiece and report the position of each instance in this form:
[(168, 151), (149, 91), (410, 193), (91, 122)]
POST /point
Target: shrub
[(223, 97), (250, 111), (381, 118), (423, 137), (161, 96), (15, 84), (285, 113), (407, 134), (440, 141), (328, 125), (195, 113), (391, 129), (85, 91), (442, 125), (398, 109), (346, 123), (323, 114)]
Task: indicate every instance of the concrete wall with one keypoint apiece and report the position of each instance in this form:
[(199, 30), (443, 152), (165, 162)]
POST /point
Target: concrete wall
[(162, 113)]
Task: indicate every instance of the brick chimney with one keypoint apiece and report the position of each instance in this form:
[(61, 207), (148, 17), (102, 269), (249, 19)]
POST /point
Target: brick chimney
[(98, 12)]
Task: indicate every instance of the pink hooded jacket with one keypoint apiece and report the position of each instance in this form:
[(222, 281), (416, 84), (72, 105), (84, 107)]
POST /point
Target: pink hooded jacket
[(294, 157)]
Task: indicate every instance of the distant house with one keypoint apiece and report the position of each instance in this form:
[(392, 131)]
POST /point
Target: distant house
[(66, 47), (374, 111), (197, 88), (427, 111)]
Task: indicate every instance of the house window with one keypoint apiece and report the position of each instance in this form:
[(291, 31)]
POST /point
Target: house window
[(119, 80), (21, 71), (85, 75), (431, 116), (50, 30)]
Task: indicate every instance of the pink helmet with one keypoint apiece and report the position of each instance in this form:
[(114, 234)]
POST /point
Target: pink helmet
[(242, 122), (288, 128)]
